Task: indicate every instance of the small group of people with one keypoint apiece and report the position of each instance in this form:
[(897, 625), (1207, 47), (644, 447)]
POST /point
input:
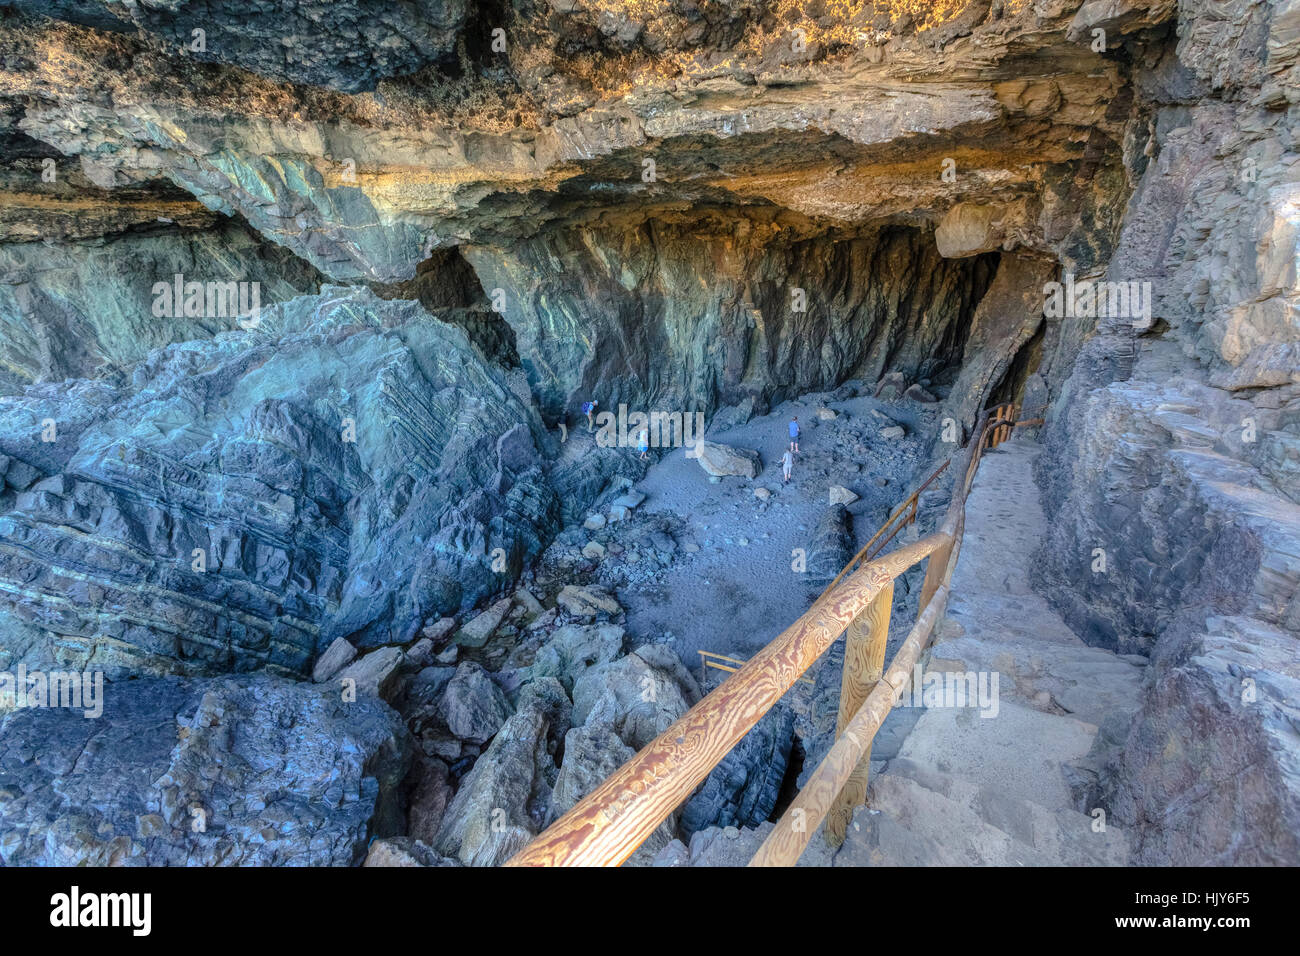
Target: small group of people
[(787, 460), (642, 437)]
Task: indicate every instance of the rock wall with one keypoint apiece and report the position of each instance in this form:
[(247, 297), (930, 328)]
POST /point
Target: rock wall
[(347, 469), (625, 204), (1174, 449), (694, 314), (76, 310)]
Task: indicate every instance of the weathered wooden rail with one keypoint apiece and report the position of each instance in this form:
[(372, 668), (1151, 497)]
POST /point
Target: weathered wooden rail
[(710, 659), (606, 826)]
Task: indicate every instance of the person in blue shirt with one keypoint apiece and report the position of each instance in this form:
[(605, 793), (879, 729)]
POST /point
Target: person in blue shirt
[(794, 434), (589, 409)]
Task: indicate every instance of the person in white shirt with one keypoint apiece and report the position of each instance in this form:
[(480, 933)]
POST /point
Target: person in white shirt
[(787, 463)]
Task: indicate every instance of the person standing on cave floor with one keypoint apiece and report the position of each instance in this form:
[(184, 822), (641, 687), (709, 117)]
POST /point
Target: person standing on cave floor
[(589, 409), (643, 443), (794, 434), (787, 464)]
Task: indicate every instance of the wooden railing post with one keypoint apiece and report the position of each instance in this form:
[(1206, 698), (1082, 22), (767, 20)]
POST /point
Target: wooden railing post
[(935, 571), (864, 662)]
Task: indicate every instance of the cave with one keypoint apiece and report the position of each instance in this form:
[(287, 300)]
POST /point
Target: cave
[(418, 563)]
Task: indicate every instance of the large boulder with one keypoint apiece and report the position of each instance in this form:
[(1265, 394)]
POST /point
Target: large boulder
[(473, 706), (721, 460), (502, 801), (375, 674), (575, 648), (640, 695), (184, 772)]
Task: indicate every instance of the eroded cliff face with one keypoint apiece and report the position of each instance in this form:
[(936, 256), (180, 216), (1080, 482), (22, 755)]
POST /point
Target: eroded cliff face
[(1174, 452), (465, 219)]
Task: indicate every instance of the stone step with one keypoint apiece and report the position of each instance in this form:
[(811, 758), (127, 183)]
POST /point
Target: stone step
[(1019, 751), (1091, 684), (908, 824), (1064, 836)]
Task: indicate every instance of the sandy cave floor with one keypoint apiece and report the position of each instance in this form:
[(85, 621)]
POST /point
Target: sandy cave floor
[(727, 584)]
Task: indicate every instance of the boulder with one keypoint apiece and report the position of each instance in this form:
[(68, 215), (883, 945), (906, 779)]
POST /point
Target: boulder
[(420, 654), (376, 673), (404, 851), (591, 753), (479, 629), (502, 801), (840, 495), (549, 694), (282, 772), (439, 629), (827, 414), (586, 601), (594, 522), (892, 433), (919, 394), (532, 607), (719, 460), (621, 508), (638, 698), (473, 706), (575, 648), (336, 657), (891, 386)]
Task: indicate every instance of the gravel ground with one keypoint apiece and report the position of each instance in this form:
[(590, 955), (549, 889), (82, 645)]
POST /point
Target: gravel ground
[(739, 590)]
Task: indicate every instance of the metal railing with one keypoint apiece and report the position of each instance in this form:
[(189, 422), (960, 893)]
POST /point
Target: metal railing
[(606, 826)]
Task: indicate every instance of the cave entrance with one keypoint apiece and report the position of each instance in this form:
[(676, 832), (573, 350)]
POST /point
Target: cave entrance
[(449, 289), (1026, 362)]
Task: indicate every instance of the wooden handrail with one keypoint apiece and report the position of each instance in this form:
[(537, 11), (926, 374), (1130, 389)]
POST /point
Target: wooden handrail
[(784, 844), (842, 775), (705, 661), (866, 551), (606, 826)]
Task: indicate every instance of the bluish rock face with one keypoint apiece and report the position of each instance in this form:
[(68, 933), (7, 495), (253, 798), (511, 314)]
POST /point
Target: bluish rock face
[(347, 469), (253, 770), (343, 44), (742, 790), (82, 309)]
